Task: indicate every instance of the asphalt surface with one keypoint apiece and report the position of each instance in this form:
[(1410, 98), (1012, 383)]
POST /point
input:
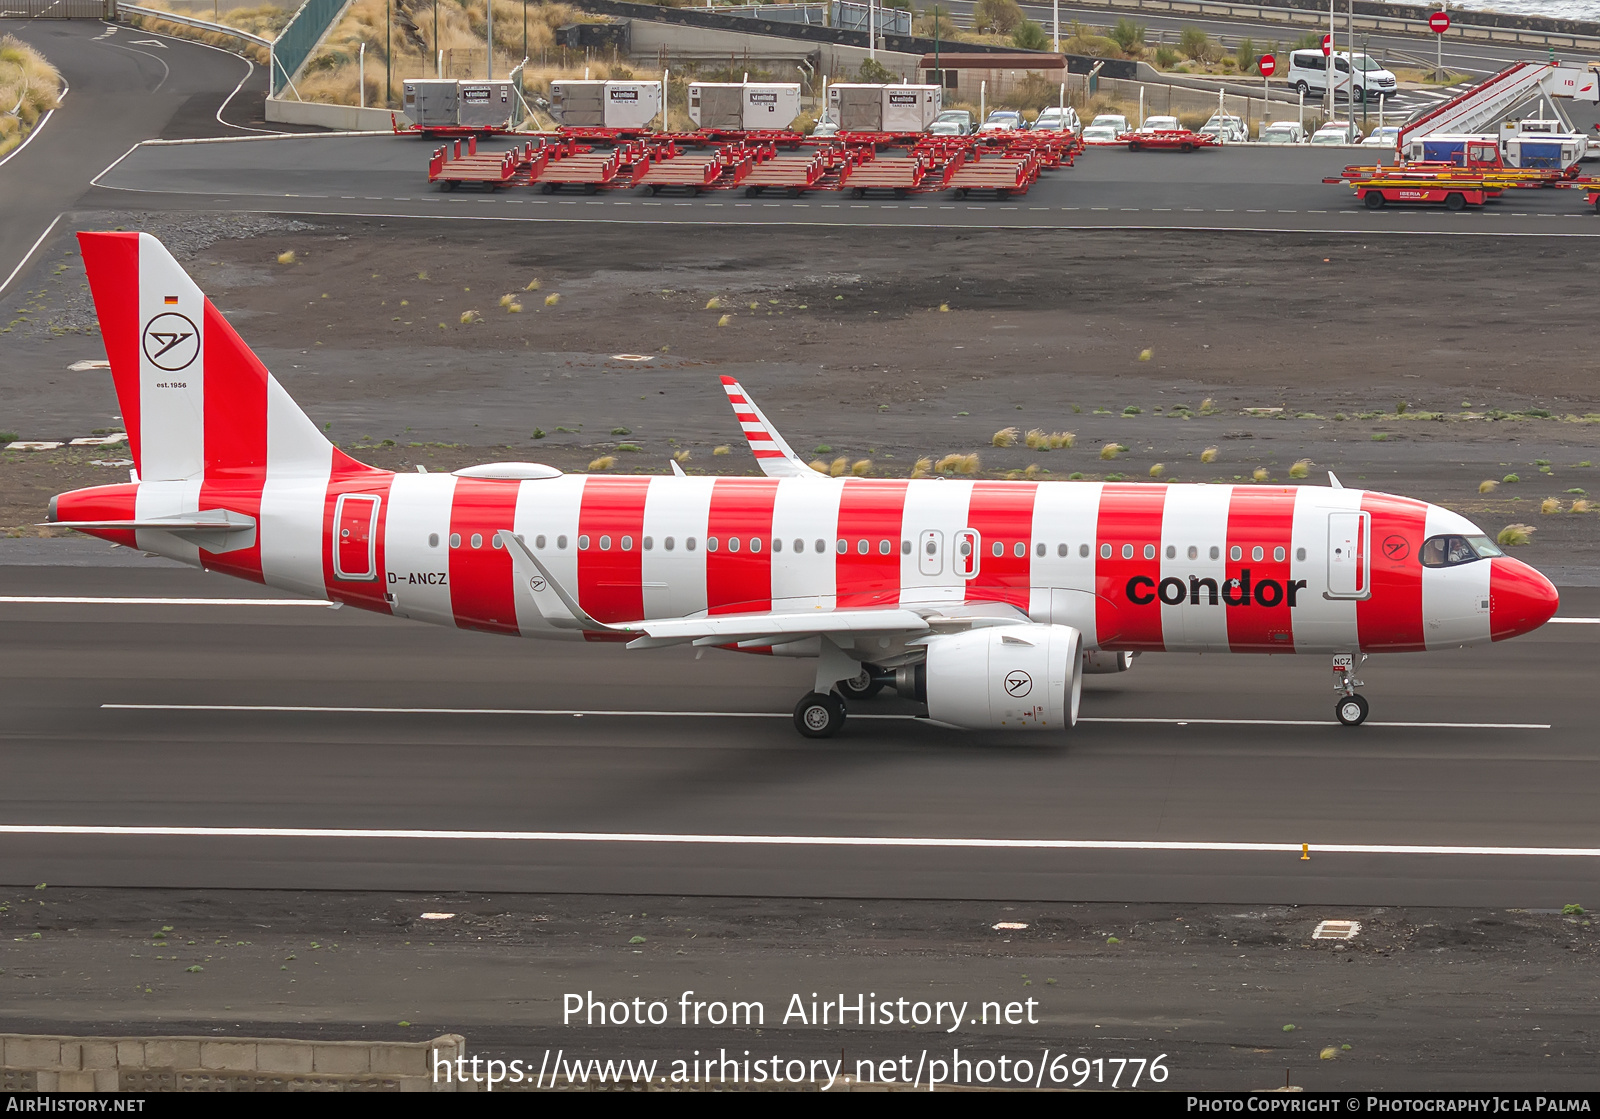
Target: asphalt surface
[(340, 720), (1239, 188), (124, 86)]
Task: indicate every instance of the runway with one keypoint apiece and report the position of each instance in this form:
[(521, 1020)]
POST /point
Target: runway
[(428, 759)]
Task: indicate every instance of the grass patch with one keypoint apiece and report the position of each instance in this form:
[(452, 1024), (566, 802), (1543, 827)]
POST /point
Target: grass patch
[(680, 456), (1550, 505), (552, 299), (922, 467), (1132, 410), (1157, 470), (1488, 485), (1582, 505), (1515, 536), (1209, 454), (286, 257), (957, 464), (470, 317), (722, 449), (1511, 479), (1301, 469), (861, 467), (838, 466), (1005, 437), (1111, 451), (604, 462), (1380, 436), (630, 447), (1259, 474)]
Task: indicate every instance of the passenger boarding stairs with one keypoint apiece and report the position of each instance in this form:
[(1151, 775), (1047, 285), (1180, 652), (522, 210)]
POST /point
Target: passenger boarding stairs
[(1482, 107)]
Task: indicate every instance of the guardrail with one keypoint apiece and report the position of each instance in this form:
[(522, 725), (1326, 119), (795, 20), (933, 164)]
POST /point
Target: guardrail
[(1310, 18), (190, 21)]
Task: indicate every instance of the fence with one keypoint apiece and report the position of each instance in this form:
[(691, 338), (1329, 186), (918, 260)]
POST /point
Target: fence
[(295, 44), (58, 9)]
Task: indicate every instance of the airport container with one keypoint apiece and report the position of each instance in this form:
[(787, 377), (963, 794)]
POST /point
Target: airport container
[(586, 103), (1553, 152), (883, 108), (744, 106), (1444, 147), (431, 102), (486, 104)]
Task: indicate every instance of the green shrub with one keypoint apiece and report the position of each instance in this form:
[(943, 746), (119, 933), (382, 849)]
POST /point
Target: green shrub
[(1003, 16), (1029, 36), (1192, 43), (1128, 35)]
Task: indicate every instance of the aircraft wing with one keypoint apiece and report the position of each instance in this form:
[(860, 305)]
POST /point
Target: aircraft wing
[(563, 611), (775, 457)]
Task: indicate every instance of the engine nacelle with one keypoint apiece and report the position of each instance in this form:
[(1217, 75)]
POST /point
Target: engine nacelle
[(1023, 677), (1101, 661)]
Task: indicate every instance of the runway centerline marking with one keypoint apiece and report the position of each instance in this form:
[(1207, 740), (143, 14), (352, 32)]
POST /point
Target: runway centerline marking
[(789, 840), (1573, 622), (263, 708)]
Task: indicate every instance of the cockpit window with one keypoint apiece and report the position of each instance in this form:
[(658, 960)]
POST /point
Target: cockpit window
[(1451, 551)]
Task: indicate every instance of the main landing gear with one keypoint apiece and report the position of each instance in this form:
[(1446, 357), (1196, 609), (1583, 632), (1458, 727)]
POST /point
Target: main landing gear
[(1351, 709), (821, 714)]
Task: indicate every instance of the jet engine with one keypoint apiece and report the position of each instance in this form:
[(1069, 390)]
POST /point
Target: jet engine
[(1022, 677), (1101, 661)]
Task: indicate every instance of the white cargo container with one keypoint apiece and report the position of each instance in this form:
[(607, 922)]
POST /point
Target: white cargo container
[(431, 102), (884, 108), (584, 103), (486, 104), (744, 106)]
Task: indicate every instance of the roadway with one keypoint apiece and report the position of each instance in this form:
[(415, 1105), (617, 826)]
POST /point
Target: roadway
[(123, 86), (168, 717), (1234, 188)]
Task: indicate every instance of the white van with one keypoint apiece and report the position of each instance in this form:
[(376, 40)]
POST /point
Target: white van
[(1308, 73)]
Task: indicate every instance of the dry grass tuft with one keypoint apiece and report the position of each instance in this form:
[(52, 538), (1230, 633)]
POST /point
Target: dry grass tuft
[(1157, 470), (552, 299), (604, 462), (818, 465), (1036, 439), (286, 257), (533, 285), (1111, 451), (1146, 355), (838, 467), (725, 320), (1488, 485), (861, 467), (1005, 437), (957, 464), (1301, 468), (680, 456), (1209, 454), (1260, 474), (723, 449), (29, 88), (1582, 505), (1514, 536), (1059, 439), (944, 307), (470, 317), (1550, 505), (507, 300), (713, 304), (1207, 406), (922, 467), (968, 465)]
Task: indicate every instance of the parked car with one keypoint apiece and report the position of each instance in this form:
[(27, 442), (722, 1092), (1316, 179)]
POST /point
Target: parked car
[(953, 122), (1308, 73), (1386, 137), (1282, 132), (1335, 133), (1227, 129), (1100, 134), (825, 126), (1003, 120), (1110, 120), (1058, 118), (1160, 124)]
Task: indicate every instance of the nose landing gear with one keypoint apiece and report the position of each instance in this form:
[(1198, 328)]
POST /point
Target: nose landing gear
[(1351, 709)]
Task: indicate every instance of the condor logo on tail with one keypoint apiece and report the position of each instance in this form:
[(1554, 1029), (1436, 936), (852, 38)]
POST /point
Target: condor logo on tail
[(1143, 590)]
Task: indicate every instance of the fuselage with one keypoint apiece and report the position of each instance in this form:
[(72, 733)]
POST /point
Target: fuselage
[(1134, 566)]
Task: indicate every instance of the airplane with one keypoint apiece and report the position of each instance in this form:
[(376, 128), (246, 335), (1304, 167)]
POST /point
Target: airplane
[(985, 601)]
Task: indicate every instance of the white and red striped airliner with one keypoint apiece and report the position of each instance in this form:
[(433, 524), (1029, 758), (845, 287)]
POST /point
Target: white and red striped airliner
[(986, 600)]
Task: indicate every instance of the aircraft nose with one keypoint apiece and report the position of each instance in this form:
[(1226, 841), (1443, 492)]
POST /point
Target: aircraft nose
[(1520, 598)]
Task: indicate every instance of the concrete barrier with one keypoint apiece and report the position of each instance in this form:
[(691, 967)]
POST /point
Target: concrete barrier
[(46, 1063), (342, 118)]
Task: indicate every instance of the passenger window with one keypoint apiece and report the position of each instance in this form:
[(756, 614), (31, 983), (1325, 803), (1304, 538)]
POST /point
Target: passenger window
[(1149, 551), (841, 546), (905, 547), (711, 543), (605, 543), (1215, 551), (1105, 551), (667, 543), (862, 546), (998, 548), (733, 543), (1039, 550), (496, 541), (1300, 554), (1019, 550), (1194, 553), (455, 540), (1257, 554), (477, 539), (583, 543), (648, 542), (1277, 555), (755, 543), (688, 545), (433, 539), (1083, 550), (1127, 551), (1172, 551), (1062, 550), (627, 543), (1236, 553), (883, 547), (561, 542), (777, 543), (820, 546), (538, 542)]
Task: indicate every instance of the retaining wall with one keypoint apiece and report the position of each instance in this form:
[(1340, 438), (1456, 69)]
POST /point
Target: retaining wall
[(340, 118), (47, 1063)]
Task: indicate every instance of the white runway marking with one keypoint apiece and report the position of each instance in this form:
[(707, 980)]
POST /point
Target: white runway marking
[(577, 713), (1573, 622), (791, 840), (84, 600)]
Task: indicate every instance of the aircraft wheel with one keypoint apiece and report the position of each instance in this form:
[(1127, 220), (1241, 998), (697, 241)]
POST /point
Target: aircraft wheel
[(861, 686), (1351, 710), (1374, 200), (819, 716)]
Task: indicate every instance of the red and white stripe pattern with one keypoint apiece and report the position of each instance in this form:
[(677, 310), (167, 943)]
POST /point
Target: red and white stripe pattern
[(775, 457), (1133, 566)]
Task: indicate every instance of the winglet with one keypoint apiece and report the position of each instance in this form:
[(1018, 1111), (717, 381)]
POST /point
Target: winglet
[(775, 457), (544, 588)]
